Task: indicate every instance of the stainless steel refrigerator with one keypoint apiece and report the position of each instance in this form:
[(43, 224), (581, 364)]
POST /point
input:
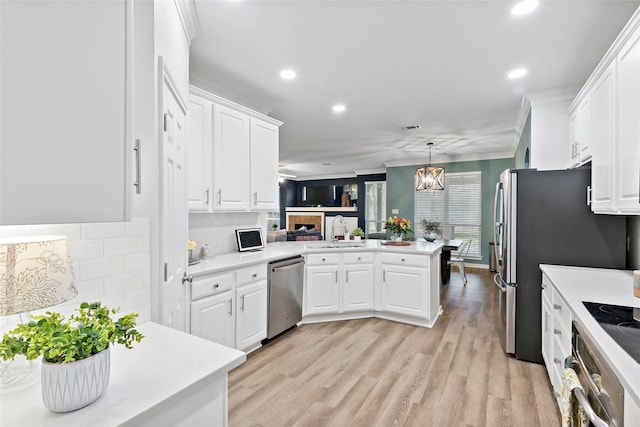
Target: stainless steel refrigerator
[(542, 217)]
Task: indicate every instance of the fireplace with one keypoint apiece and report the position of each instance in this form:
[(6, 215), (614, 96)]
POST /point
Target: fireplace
[(295, 220)]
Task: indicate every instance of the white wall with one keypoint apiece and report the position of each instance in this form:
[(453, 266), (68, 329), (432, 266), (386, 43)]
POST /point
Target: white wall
[(110, 262)]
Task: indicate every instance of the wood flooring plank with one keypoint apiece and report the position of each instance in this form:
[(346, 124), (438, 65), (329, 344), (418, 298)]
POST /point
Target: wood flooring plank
[(376, 372)]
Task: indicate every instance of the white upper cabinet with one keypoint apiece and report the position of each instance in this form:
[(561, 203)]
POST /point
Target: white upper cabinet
[(233, 156), (613, 95), (66, 111), (265, 194), (199, 155), (603, 136), (580, 132), (626, 184), (230, 159)]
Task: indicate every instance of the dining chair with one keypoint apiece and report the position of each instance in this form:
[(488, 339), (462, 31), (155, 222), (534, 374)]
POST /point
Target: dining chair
[(457, 258)]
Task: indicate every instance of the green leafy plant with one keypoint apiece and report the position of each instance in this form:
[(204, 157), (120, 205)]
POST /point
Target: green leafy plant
[(61, 341), (357, 232)]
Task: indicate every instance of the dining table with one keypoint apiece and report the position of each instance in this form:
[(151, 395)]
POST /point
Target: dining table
[(445, 256)]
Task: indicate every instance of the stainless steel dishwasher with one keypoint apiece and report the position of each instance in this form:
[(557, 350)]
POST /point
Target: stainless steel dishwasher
[(285, 294)]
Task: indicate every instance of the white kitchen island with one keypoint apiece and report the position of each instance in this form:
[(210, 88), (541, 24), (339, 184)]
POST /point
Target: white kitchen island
[(168, 379)]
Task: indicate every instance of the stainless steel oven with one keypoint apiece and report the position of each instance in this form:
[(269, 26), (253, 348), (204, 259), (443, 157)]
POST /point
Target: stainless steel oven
[(603, 396)]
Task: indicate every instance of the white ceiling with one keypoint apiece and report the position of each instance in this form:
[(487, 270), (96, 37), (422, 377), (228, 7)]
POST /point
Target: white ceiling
[(438, 64)]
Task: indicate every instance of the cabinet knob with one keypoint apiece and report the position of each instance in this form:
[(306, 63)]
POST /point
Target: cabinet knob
[(557, 306), (557, 331), (254, 275), (324, 259), (557, 361), (359, 258), (216, 285), (402, 259)]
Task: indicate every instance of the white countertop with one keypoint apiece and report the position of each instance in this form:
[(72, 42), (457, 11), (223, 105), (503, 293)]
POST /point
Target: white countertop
[(163, 364), (578, 284), (279, 250)]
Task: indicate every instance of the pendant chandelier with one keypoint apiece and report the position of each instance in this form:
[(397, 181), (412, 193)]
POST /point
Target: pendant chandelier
[(429, 177)]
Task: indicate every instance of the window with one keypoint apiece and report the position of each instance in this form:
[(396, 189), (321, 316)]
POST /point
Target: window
[(375, 209), (458, 209)]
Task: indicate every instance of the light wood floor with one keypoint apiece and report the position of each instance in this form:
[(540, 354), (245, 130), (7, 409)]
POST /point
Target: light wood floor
[(374, 372)]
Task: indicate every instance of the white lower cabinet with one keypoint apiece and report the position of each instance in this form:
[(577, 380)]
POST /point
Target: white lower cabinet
[(230, 308), (556, 335), (251, 314), (339, 283), (404, 290)]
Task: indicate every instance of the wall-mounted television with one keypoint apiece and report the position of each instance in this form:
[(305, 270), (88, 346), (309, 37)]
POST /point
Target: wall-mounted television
[(319, 195)]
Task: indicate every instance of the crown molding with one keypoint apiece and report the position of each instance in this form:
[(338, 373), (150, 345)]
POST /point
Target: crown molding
[(188, 18)]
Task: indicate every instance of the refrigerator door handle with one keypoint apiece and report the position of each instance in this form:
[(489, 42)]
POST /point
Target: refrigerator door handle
[(497, 225), (498, 282)]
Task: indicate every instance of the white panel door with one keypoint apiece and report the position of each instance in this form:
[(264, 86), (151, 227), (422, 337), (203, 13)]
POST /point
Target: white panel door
[(322, 290), (405, 290), (357, 288), (199, 157), (603, 137), (264, 166), (251, 314), (174, 202), (230, 159), (627, 176), (212, 318)]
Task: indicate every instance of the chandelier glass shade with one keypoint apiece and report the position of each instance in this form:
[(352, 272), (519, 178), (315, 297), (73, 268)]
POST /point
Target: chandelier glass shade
[(429, 177)]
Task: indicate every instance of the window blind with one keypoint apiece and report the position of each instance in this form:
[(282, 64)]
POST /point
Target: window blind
[(458, 209)]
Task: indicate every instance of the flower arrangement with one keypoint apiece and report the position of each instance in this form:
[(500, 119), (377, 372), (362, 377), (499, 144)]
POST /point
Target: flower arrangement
[(398, 225), (191, 245)]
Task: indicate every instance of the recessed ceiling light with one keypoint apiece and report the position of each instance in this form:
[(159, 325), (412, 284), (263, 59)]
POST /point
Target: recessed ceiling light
[(288, 74), (516, 74), (524, 7), (339, 108)]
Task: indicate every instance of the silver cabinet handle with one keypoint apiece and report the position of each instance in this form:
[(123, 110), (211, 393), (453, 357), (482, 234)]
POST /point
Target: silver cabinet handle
[(347, 278), (557, 332), (207, 193), (547, 318), (138, 181), (336, 276), (242, 300), (384, 275), (220, 196), (256, 198), (557, 361), (186, 278), (230, 306), (589, 195), (557, 307)]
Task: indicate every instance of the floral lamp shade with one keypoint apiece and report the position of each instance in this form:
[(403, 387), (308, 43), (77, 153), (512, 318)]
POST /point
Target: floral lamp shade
[(35, 272)]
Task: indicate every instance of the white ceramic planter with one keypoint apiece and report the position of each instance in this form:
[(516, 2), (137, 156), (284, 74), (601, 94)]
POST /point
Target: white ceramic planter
[(70, 386)]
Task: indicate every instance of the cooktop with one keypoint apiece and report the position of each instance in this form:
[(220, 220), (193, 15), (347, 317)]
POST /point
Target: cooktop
[(619, 323)]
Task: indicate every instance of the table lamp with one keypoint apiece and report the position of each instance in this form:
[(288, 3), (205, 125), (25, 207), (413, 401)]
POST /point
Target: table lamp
[(35, 273)]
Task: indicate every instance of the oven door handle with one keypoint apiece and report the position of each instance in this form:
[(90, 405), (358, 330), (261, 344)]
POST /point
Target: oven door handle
[(583, 400)]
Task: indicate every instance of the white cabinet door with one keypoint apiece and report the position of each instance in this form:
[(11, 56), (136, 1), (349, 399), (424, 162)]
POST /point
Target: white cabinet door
[(66, 111), (547, 335), (251, 314), (405, 290), (199, 157), (627, 156), (357, 288), (322, 289), (573, 138), (603, 140), (583, 146), (230, 159), (212, 318), (264, 165)]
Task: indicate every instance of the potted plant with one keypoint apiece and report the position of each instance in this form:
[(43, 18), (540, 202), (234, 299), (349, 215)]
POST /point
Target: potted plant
[(430, 229), (357, 233), (399, 227), (75, 352)]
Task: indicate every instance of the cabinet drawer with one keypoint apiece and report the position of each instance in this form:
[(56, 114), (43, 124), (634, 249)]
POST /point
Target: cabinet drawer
[(357, 257), (406, 259), (210, 285), (322, 259), (251, 274), (561, 311)]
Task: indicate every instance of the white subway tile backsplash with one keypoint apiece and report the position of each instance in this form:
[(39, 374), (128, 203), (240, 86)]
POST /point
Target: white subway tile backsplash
[(137, 262), (82, 250), (124, 282), (90, 290), (102, 230), (123, 245), (137, 297), (137, 227), (71, 231), (101, 267), (12, 231)]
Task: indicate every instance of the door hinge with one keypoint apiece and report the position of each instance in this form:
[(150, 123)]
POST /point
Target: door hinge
[(165, 125), (186, 278), (166, 271)]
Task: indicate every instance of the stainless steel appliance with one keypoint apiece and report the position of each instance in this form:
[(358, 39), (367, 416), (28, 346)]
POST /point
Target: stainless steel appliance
[(541, 217), (285, 295), (603, 395)]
